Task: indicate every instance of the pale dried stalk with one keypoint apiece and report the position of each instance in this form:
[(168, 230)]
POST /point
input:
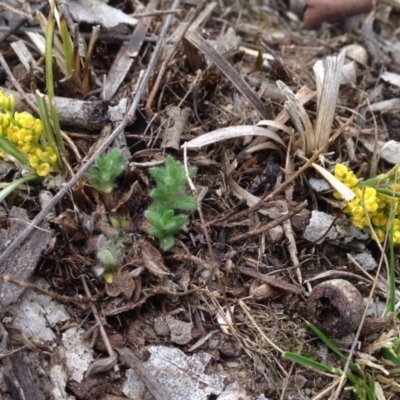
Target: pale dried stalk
[(300, 119), (327, 76)]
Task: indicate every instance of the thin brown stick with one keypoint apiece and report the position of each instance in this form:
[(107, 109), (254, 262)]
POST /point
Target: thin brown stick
[(10, 31), (14, 11), (66, 299), (153, 386), (96, 315), (270, 225), (156, 13)]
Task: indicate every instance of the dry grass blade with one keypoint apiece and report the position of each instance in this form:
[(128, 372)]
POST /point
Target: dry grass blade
[(300, 119), (243, 194), (232, 132), (327, 77), (124, 61), (230, 72), (340, 187)]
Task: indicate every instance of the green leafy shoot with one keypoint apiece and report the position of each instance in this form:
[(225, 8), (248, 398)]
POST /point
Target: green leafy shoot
[(168, 196), (106, 169)]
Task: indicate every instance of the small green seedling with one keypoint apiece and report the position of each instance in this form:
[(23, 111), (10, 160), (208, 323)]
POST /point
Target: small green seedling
[(106, 169), (108, 256), (168, 196)]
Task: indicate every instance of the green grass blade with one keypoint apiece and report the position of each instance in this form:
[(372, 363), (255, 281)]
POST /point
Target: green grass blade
[(13, 151), (354, 367), (14, 184), (48, 56), (307, 362), (389, 355), (48, 135), (68, 46), (57, 130)]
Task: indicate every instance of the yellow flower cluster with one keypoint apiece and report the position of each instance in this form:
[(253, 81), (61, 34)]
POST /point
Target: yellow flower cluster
[(25, 131), (370, 201)]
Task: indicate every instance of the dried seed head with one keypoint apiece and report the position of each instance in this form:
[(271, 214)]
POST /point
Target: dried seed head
[(335, 307)]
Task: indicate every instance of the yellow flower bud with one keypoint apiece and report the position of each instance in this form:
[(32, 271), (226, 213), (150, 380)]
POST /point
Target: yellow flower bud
[(51, 154), (4, 120), (379, 220), (6, 102), (13, 133), (27, 148), (3, 155), (25, 135), (378, 234), (396, 237), (345, 175), (38, 127), (340, 171), (43, 169), (33, 161), (25, 119), (42, 155)]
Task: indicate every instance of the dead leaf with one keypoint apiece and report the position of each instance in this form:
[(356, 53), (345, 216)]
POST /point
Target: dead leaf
[(101, 365), (152, 259), (122, 283)]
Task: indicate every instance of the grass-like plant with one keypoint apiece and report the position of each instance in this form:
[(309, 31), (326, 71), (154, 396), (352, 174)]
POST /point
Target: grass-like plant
[(168, 196), (363, 389)]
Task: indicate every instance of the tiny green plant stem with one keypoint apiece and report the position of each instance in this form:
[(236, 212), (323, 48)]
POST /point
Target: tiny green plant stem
[(374, 182), (57, 129), (388, 193), (11, 150), (88, 58), (15, 184)]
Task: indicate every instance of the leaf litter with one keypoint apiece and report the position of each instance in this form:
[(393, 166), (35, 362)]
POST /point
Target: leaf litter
[(239, 89)]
